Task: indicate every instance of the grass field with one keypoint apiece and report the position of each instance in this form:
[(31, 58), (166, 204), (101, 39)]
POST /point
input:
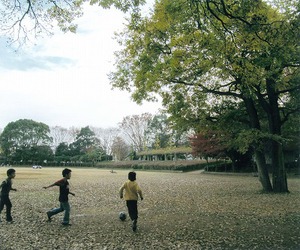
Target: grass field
[(180, 211)]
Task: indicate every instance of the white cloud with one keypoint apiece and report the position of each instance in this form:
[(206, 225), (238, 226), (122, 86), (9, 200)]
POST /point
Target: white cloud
[(63, 80)]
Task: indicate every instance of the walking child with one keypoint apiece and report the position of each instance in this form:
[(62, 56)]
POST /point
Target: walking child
[(64, 191), (6, 186), (132, 191)]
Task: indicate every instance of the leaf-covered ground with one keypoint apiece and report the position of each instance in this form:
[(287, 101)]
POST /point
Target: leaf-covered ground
[(180, 211)]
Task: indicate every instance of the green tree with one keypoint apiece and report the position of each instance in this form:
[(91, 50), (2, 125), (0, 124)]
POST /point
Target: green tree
[(85, 141), (20, 137), (93, 155), (218, 52), (264, 63), (62, 152), (158, 132), (41, 154), (161, 133)]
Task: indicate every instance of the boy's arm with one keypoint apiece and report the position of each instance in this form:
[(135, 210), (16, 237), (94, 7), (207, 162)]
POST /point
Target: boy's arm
[(58, 183), (71, 193), (121, 191), (52, 185), (140, 192)]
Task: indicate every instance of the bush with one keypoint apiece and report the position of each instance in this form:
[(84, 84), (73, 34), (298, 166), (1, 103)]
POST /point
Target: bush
[(182, 166), (219, 167)]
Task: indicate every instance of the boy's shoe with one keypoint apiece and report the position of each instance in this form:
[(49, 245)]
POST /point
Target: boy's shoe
[(49, 216), (134, 225), (66, 224), (10, 221)]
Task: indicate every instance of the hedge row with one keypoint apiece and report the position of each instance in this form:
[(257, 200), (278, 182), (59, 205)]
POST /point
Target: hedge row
[(182, 166)]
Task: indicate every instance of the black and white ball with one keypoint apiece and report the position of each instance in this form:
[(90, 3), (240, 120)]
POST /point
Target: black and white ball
[(122, 216)]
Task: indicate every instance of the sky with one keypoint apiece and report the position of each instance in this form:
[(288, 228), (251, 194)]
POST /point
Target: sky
[(62, 80)]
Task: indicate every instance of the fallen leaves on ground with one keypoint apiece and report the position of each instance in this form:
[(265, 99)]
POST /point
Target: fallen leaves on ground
[(180, 211)]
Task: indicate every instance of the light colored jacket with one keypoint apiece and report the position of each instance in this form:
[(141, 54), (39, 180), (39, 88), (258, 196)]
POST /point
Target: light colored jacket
[(132, 190)]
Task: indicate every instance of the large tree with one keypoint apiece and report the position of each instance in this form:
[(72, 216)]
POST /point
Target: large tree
[(22, 137), (62, 152), (85, 142), (221, 52)]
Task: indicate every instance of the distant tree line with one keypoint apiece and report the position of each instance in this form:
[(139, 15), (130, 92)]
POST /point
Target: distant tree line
[(26, 141)]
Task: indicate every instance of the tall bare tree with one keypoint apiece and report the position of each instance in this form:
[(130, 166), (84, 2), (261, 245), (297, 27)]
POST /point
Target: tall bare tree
[(134, 128), (106, 137), (120, 149), (60, 134)]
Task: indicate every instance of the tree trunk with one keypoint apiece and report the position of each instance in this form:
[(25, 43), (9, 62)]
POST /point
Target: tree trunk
[(279, 178), (263, 172), (279, 173), (260, 159)]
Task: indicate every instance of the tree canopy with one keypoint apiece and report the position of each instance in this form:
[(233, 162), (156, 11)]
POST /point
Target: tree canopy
[(23, 139), (203, 56)]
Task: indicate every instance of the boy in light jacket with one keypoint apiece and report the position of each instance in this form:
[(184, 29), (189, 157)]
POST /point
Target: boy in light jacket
[(132, 191)]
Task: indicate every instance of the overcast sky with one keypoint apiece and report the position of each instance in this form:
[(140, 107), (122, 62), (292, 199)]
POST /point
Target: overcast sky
[(63, 79)]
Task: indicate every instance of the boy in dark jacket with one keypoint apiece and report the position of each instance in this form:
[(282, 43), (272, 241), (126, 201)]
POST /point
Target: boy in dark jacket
[(63, 197), (6, 186)]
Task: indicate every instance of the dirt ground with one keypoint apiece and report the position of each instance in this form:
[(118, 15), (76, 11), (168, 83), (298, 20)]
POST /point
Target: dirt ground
[(180, 211)]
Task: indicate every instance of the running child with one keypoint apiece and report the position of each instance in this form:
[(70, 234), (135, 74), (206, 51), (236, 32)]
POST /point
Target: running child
[(63, 197), (132, 191), (6, 186)]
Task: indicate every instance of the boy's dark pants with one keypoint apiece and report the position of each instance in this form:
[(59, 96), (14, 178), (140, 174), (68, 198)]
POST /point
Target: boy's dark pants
[(132, 209), (4, 200)]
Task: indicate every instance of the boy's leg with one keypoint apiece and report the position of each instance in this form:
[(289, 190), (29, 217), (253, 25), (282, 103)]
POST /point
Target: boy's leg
[(132, 209), (1, 206), (67, 209), (55, 211), (128, 204), (8, 210), (4, 200), (133, 213)]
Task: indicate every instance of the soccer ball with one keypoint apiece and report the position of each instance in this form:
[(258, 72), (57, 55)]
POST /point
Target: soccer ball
[(122, 216)]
